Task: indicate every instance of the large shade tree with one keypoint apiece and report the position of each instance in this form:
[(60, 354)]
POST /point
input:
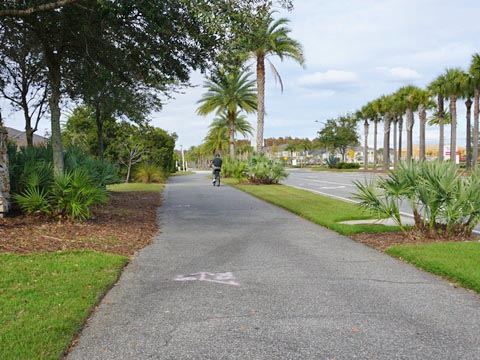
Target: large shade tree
[(269, 37), (23, 78), (229, 92)]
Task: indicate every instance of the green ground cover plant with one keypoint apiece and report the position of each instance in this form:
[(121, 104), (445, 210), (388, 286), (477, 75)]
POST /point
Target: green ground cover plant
[(128, 187), (458, 262), (319, 209), (45, 299)]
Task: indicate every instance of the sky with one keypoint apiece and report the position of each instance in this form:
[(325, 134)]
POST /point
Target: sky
[(355, 51)]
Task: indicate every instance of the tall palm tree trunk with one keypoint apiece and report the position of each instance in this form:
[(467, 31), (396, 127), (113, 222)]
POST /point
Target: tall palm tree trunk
[(386, 142), (395, 143), (441, 125), (365, 145), (410, 121), (400, 131), (231, 133), (468, 104), (476, 111), (375, 160), (453, 128), (422, 116), (261, 102)]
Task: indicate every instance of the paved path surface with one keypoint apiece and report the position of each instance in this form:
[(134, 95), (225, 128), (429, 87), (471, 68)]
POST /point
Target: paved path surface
[(232, 277)]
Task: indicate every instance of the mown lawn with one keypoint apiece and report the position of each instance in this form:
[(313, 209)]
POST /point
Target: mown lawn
[(45, 299), (459, 262), (319, 209)]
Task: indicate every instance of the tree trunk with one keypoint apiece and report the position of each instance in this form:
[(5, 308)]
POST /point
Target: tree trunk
[(58, 162), (395, 142), (54, 102), (410, 122), (28, 121), (375, 160), (468, 104), (422, 116), (476, 111), (129, 168), (453, 128), (386, 142), (4, 176), (231, 134), (365, 145), (98, 120), (441, 141), (261, 102), (400, 131)]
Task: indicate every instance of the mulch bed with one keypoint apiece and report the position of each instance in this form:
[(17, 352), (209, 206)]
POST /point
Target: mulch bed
[(383, 241), (123, 226)]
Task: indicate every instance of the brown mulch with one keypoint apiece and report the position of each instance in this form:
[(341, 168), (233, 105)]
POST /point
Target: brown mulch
[(383, 241), (123, 226)]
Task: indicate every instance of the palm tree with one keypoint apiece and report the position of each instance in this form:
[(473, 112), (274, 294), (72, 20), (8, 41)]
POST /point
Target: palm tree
[(454, 80), (305, 145), (227, 92), (376, 107), (422, 97), (366, 113), (398, 109), (240, 124), (438, 87), (291, 147), (407, 93), (386, 104), (467, 93), (269, 38), (475, 73)]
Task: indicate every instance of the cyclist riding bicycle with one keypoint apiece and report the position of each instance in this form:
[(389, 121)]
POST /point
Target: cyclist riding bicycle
[(217, 166)]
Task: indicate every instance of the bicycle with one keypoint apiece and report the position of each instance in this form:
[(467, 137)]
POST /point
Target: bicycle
[(216, 177)]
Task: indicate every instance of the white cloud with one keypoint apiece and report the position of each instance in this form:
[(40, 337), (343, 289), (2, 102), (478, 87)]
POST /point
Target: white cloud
[(402, 73), (329, 77)]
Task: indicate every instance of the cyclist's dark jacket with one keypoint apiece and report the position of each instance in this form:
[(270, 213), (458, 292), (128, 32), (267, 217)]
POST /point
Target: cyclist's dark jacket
[(217, 162)]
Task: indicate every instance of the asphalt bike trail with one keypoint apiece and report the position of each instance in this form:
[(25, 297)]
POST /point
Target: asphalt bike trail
[(232, 277)]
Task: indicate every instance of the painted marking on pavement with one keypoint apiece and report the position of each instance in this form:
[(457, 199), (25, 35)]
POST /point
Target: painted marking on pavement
[(225, 278)]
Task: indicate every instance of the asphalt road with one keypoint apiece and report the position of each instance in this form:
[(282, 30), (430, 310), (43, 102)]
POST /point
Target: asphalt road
[(330, 183), (338, 185), (232, 277)]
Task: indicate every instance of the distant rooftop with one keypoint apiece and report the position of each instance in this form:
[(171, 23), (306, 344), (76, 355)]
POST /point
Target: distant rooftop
[(20, 138)]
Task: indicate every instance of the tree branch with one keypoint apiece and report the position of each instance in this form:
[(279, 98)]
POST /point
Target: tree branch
[(34, 9)]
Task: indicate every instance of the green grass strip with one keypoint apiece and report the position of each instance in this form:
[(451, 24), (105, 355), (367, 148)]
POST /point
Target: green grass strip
[(458, 262), (322, 210), (136, 187), (45, 299)]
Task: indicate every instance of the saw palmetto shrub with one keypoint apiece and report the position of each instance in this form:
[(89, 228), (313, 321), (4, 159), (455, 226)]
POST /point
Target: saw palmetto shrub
[(444, 201)]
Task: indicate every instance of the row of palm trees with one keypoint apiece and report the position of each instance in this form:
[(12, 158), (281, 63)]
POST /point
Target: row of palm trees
[(231, 92), (452, 85)]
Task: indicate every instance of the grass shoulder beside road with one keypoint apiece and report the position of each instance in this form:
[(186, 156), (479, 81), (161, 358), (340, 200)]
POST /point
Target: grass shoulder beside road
[(50, 277), (456, 261), (322, 210)]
